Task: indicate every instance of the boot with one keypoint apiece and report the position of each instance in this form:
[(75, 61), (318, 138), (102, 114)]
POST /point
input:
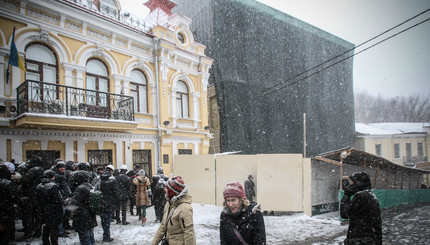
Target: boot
[(143, 221), (140, 217)]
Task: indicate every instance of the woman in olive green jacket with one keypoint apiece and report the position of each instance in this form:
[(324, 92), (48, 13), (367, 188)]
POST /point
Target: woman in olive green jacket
[(177, 226)]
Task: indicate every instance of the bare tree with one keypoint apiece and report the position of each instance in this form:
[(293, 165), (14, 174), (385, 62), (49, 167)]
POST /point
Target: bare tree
[(374, 109)]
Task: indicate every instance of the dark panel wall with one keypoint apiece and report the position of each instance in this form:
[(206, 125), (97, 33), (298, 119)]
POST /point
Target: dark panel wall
[(256, 47)]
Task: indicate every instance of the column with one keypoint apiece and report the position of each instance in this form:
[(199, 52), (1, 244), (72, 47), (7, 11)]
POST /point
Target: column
[(69, 150), (81, 150)]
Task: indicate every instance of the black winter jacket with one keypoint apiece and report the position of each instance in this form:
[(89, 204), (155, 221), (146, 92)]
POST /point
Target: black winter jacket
[(9, 196), (249, 223), (124, 187), (63, 184), (50, 201), (364, 216), (83, 217), (30, 181), (109, 189)]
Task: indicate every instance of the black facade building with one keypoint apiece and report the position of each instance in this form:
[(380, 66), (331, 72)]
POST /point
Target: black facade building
[(270, 69)]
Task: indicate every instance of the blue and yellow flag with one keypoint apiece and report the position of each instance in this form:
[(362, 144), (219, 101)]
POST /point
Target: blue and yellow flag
[(14, 58)]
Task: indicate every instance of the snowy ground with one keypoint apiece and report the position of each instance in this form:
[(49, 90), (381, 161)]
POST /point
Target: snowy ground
[(287, 229)]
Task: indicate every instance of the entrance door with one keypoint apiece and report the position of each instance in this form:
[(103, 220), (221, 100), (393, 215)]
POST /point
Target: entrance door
[(143, 158)]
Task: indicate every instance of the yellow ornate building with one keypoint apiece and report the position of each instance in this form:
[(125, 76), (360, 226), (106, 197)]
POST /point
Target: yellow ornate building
[(101, 85)]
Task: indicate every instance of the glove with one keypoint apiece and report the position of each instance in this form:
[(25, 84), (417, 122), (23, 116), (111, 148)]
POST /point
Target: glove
[(348, 190)]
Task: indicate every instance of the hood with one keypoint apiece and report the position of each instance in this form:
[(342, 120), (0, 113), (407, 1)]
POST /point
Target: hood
[(361, 181), (182, 198)]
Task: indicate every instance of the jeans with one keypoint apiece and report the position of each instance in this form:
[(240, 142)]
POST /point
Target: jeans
[(87, 237), (106, 219)]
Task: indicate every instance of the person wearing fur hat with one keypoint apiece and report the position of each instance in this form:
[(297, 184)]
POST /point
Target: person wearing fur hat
[(142, 199), (241, 222), (177, 225), (362, 210), (250, 188)]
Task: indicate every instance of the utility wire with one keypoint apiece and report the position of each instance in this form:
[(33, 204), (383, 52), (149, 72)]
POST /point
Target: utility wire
[(347, 51), (345, 58)]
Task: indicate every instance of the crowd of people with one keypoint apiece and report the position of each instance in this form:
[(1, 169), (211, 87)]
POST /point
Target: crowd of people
[(51, 202), (47, 200)]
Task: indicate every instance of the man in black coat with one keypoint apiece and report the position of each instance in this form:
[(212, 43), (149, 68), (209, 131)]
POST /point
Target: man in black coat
[(124, 192), (84, 219), (362, 210), (30, 209), (51, 203), (108, 186), (158, 196), (63, 185), (250, 188), (9, 194)]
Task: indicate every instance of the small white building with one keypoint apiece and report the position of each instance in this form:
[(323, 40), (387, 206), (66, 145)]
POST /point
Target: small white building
[(401, 143)]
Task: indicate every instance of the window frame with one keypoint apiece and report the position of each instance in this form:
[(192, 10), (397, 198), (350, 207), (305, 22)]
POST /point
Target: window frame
[(180, 99), (97, 83), (138, 85)]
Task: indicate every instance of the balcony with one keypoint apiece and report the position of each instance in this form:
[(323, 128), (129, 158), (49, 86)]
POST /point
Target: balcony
[(412, 161), (47, 105)]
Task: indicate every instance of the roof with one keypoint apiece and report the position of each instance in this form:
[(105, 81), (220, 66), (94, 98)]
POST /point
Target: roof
[(389, 128), (360, 158)]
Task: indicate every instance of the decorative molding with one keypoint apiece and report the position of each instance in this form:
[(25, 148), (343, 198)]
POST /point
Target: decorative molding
[(9, 5), (140, 49), (99, 51), (43, 36), (41, 15), (121, 42), (98, 34), (143, 120), (73, 26)]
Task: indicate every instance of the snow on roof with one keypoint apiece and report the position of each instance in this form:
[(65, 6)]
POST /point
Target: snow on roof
[(389, 128)]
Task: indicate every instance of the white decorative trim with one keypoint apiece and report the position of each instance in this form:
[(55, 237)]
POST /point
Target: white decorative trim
[(40, 15)]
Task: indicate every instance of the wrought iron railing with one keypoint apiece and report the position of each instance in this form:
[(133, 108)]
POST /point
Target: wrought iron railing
[(40, 97)]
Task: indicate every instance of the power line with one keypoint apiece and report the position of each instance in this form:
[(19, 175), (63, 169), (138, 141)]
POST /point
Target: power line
[(345, 58), (337, 56)]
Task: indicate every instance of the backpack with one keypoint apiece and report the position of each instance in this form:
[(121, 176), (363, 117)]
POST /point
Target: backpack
[(96, 201)]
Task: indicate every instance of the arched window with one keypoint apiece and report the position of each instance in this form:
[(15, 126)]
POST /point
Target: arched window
[(139, 91), (97, 80), (41, 65), (182, 100)]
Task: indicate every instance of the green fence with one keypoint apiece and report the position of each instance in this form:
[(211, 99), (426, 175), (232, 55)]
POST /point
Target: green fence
[(389, 198)]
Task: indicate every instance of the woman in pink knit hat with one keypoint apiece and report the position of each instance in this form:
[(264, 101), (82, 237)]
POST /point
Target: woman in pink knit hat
[(241, 221)]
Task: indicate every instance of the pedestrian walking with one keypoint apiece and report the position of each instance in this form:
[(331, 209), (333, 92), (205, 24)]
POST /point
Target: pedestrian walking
[(108, 186), (142, 200), (158, 194), (84, 219), (124, 192), (177, 226), (250, 188), (241, 221), (362, 210), (51, 203), (159, 199)]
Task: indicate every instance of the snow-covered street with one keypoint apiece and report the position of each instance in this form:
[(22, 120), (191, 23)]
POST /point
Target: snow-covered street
[(402, 225)]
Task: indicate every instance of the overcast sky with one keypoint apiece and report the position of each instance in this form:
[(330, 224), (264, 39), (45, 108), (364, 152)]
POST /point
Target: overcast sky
[(398, 66)]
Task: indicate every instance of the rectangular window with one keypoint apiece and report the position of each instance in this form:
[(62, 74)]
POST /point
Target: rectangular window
[(420, 149), (408, 150), (396, 150), (378, 150), (143, 159), (100, 157)]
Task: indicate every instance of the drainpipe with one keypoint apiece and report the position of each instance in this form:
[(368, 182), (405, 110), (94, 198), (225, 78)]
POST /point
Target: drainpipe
[(156, 43)]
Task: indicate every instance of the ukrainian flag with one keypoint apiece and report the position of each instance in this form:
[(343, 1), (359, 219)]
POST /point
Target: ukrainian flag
[(14, 58)]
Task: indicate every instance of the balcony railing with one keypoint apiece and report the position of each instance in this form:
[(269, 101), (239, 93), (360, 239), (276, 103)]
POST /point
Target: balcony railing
[(40, 97), (414, 159)]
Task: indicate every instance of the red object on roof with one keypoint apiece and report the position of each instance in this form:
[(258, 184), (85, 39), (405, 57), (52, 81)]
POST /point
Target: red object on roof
[(165, 5)]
